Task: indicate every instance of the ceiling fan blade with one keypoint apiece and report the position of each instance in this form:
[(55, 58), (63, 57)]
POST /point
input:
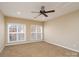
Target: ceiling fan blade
[(45, 15), (35, 12), (37, 15), (49, 11)]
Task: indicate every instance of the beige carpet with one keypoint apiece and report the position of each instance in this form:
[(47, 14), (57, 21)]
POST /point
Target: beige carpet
[(37, 49)]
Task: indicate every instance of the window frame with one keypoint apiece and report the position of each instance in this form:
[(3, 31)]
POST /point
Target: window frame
[(17, 33), (36, 25)]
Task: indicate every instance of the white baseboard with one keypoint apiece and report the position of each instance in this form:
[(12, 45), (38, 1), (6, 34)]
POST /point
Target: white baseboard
[(62, 46), (22, 42), (1, 49)]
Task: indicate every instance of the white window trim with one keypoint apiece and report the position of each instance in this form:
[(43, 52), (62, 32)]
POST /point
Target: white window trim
[(37, 32), (16, 33)]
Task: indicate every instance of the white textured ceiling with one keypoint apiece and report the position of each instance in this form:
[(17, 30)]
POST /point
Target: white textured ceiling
[(26, 8)]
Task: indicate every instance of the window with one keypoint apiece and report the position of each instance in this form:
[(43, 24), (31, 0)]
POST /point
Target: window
[(36, 32), (16, 32)]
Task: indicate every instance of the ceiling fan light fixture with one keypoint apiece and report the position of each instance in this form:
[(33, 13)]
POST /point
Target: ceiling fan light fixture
[(44, 12)]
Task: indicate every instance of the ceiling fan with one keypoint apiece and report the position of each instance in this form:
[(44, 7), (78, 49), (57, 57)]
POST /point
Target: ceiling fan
[(43, 12)]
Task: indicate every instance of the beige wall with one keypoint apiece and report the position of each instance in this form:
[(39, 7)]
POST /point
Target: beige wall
[(28, 24), (1, 32), (63, 31)]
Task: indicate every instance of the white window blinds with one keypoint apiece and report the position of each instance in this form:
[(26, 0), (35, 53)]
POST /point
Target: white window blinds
[(16, 32), (36, 32)]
